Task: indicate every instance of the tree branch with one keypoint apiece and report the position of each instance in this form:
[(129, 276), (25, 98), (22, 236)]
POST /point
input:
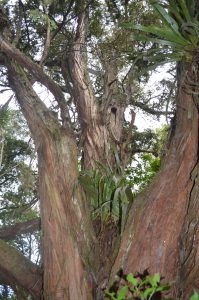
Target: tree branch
[(82, 89), (38, 73), (19, 270), (151, 110), (10, 232), (46, 44)]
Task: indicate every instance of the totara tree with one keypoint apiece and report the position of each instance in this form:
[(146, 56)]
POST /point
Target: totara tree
[(77, 51)]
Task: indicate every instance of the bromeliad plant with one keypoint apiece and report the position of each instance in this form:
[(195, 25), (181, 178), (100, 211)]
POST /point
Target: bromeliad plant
[(177, 32), (109, 192)]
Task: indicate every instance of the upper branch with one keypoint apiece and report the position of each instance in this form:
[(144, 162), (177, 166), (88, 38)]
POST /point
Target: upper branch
[(82, 88), (38, 73)]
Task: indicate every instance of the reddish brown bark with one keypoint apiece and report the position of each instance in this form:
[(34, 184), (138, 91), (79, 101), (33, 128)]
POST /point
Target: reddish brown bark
[(154, 232), (189, 243), (152, 235), (68, 239), (101, 123)]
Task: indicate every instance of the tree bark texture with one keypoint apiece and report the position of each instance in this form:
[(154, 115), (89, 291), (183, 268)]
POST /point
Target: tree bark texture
[(161, 233), (68, 239), (152, 238), (101, 123)]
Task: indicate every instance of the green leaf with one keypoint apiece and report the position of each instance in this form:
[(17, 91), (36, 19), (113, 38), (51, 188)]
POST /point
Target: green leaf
[(166, 18), (163, 33), (185, 11), (132, 279), (111, 295), (145, 38), (154, 280), (121, 295), (148, 292), (195, 296)]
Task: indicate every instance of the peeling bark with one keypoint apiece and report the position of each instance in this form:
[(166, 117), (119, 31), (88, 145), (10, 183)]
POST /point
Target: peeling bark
[(68, 239), (151, 238), (101, 124)]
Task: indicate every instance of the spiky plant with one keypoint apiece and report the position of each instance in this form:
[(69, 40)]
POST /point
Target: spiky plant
[(177, 33)]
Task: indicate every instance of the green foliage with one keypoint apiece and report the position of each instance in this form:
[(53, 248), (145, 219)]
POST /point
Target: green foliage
[(139, 287), (18, 178), (147, 163), (142, 170), (109, 193), (42, 18), (177, 34), (195, 296)]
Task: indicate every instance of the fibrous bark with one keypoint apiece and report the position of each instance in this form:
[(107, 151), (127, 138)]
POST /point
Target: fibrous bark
[(152, 236), (68, 239)]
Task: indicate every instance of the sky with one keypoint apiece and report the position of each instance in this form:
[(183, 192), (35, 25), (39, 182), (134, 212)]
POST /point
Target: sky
[(142, 121)]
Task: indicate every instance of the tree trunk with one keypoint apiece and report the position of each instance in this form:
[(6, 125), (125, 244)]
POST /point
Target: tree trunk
[(101, 122), (68, 238), (161, 231), (152, 236)]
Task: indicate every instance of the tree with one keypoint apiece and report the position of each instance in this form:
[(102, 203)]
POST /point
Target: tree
[(80, 64)]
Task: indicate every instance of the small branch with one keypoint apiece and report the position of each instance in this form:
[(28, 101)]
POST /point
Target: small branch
[(5, 106), (25, 20), (64, 19), (19, 270), (151, 110), (145, 151), (10, 232), (47, 44)]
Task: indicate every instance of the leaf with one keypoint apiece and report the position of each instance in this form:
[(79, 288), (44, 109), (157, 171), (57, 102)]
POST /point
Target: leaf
[(166, 18), (185, 10), (121, 295), (132, 279), (195, 296), (154, 280), (148, 292), (163, 33), (145, 38)]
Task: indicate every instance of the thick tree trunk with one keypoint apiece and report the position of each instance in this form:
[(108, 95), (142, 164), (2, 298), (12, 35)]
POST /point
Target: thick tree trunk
[(68, 239), (189, 242), (152, 236), (64, 271)]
